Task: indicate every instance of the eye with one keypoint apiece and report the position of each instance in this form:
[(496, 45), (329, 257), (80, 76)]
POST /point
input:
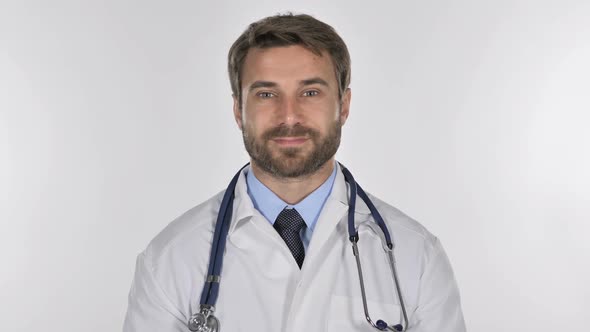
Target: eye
[(310, 93), (265, 95)]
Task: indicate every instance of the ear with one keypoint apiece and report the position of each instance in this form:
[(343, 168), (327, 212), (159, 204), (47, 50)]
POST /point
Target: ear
[(237, 112), (345, 106)]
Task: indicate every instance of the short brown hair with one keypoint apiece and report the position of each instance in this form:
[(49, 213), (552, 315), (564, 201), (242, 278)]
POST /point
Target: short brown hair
[(284, 30)]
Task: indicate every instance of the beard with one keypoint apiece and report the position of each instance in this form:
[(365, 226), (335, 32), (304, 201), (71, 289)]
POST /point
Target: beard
[(292, 162)]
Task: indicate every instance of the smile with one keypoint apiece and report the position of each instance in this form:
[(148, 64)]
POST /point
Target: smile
[(289, 141)]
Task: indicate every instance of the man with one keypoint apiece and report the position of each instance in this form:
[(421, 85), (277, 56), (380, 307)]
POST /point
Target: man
[(288, 263)]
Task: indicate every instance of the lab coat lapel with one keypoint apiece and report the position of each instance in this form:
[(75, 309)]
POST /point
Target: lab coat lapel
[(333, 212), (248, 225)]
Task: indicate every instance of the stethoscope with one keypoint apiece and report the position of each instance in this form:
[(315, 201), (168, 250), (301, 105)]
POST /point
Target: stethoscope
[(205, 321)]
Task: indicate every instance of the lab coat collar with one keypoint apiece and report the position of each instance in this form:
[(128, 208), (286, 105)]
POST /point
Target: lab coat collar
[(244, 208), (340, 192)]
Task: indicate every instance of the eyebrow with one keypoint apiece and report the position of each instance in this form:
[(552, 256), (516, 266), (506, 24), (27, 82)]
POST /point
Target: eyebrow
[(314, 80), (269, 84), (262, 84)]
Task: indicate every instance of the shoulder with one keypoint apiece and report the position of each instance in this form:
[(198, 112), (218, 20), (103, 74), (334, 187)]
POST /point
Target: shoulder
[(189, 229), (404, 226)]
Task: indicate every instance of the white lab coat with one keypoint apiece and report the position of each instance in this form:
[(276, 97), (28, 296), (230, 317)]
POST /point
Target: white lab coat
[(262, 288)]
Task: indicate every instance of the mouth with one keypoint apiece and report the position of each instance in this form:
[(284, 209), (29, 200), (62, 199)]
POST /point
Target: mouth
[(289, 141)]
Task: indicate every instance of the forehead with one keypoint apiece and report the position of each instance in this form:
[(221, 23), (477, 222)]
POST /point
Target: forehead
[(285, 64)]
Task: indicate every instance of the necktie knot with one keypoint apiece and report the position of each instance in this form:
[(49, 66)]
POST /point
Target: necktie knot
[(289, 220), (289, 224)]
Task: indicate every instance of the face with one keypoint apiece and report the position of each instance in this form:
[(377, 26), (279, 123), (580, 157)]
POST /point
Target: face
[(291, 113)]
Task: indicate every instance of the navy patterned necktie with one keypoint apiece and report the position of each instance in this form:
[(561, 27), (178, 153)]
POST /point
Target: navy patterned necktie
[(289, 224)]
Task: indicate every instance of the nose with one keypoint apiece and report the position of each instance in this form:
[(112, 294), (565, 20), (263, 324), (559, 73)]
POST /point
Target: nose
[(290, 111)]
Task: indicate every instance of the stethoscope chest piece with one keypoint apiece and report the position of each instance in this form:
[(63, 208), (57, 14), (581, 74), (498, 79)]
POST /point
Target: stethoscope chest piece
[(204, 321)]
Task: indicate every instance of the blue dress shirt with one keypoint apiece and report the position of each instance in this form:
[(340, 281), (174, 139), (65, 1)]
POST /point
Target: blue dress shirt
[(270, 205)]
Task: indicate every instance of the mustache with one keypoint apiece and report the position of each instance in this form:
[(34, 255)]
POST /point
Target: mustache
[(294, 131)]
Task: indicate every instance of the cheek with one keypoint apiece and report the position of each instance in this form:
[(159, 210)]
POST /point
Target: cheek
[(258, 115), (253, 121), (332, 115), (331, 109)]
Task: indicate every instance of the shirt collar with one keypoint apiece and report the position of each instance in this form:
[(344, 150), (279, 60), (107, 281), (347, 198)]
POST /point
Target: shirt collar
[(244, 207), (270, 205)]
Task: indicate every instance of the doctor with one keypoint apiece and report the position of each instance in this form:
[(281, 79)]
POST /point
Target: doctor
[(288, 264)]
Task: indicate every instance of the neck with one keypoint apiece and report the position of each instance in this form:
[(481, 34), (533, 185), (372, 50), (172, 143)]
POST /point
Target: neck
[(294, 190)]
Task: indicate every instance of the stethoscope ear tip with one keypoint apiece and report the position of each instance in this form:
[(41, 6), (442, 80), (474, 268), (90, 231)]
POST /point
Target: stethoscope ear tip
[(381, 325)]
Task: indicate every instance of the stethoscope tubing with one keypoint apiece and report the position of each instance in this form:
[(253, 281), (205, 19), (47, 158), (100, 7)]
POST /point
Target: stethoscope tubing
[(355, 189), (211, 288)]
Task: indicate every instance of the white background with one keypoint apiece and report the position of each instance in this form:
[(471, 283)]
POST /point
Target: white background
[(470, 116)]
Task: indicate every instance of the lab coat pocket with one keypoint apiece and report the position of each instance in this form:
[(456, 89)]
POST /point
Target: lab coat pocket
[(347, 314)]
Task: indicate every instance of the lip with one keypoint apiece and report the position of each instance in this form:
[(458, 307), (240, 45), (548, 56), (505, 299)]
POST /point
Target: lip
[(290, 141)]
